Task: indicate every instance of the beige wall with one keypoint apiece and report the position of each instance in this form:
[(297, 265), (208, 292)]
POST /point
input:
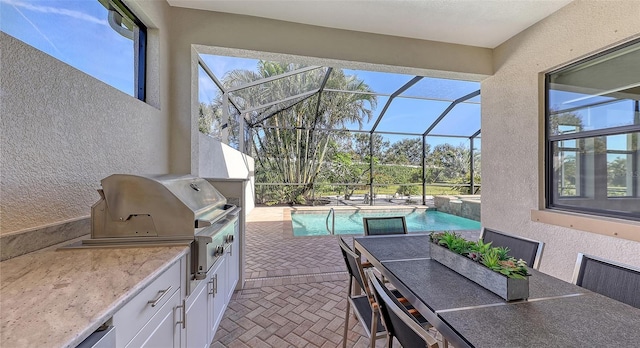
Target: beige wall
[(512, 107), (218, 160), (63, 131)]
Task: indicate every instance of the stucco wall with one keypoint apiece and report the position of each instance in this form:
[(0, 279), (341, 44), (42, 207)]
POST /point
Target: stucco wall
[(63, 130), (218, 160), (512, 107)]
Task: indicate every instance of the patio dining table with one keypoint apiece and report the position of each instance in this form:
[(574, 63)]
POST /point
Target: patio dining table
[(556, 314)]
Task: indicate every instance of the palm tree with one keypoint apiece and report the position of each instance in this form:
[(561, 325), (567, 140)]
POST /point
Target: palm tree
[(291, 138)]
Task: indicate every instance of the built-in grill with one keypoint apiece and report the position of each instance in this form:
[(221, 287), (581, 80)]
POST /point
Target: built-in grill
[(167, 209)]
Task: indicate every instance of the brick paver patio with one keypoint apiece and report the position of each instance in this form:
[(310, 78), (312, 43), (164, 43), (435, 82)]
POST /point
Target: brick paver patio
[(295, 290)]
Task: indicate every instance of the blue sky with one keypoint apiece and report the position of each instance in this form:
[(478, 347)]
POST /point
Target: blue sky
[(408, 115), (75, 32)]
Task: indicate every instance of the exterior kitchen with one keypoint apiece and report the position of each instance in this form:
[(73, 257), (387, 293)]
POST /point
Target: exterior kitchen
[(122, 225)]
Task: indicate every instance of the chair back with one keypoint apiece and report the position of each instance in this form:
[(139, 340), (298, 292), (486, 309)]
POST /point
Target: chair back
[(521, 248), (352, 261), (395, 317), (384, 225), (615, 280)]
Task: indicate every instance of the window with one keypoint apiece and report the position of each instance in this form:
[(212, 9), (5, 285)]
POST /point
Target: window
[(99, 37), (593, 135)]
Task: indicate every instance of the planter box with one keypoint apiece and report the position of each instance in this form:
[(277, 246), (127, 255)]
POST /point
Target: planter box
[(509, 289)]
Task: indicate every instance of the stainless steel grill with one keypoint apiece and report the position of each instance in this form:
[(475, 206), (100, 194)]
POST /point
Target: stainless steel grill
[(152, 210)]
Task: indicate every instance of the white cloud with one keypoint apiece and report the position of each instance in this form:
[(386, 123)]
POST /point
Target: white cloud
[(36, 29), (56, 10)]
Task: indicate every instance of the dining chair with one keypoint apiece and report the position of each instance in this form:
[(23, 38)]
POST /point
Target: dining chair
[(382, 225), (362, 304), (399, 323), (612, 279), (521, 248)]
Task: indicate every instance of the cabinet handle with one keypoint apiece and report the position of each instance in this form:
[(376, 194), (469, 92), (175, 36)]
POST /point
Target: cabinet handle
[(184, 314), (215, 284), (211, 282), (162, 294), (231, 249)]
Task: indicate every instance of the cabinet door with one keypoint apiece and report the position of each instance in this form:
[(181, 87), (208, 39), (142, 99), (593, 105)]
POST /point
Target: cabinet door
[(218, 299), (197, 335), (163, 329), (233, 264)]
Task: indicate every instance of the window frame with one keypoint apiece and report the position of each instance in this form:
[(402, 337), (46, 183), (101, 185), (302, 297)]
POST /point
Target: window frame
[(550, 187), (140, 50)]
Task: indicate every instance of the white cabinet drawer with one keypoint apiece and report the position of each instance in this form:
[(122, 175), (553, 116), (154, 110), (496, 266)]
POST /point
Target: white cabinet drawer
[(137, 312), (161, 330)]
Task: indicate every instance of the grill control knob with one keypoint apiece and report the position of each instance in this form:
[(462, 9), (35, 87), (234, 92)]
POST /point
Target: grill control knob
[(219, 250)]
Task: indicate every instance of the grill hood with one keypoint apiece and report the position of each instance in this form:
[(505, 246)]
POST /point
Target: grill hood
[(163, 206)]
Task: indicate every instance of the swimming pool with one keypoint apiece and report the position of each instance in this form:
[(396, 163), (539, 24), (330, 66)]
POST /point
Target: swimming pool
[(313, 223)]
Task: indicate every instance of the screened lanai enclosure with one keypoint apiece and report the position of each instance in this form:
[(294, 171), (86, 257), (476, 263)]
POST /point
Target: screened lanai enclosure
[(325, 135)]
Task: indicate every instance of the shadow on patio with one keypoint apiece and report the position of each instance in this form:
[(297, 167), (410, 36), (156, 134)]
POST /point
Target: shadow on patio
[(295, 290), (294, 294)]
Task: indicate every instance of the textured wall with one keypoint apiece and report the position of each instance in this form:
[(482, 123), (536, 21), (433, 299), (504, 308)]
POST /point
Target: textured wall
[(218, 160), (512, 124), (63, 131)]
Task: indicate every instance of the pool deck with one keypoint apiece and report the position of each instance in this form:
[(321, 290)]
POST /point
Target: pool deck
[(295, 291)]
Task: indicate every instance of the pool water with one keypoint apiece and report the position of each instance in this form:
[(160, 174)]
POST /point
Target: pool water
[(313, 223)]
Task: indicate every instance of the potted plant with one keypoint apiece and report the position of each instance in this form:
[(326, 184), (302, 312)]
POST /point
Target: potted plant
[(491, 267)]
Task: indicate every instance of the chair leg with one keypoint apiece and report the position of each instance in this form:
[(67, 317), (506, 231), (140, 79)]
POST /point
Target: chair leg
[(374, 328), (346, 326), (346, 317)]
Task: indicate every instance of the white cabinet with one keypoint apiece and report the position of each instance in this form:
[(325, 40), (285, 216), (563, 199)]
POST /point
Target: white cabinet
[(206, 306), (208, 300), (218, 300), (232, 253), (197, 331), (153, 317), (162, 331), (160, 316)]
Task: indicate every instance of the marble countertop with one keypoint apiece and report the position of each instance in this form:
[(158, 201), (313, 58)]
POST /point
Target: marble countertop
[(53, 298)]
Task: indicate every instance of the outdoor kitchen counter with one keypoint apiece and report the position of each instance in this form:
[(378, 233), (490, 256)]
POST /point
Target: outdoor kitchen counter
[(52, 298)]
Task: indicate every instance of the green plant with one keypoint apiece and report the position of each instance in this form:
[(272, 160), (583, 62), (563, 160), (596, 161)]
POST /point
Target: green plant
[(480, 247), (502, 252), (513, 268), (491, 259), (495, 258), (300, 200)]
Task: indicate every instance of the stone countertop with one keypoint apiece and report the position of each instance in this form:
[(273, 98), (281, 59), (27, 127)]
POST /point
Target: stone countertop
[(52, 298)]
